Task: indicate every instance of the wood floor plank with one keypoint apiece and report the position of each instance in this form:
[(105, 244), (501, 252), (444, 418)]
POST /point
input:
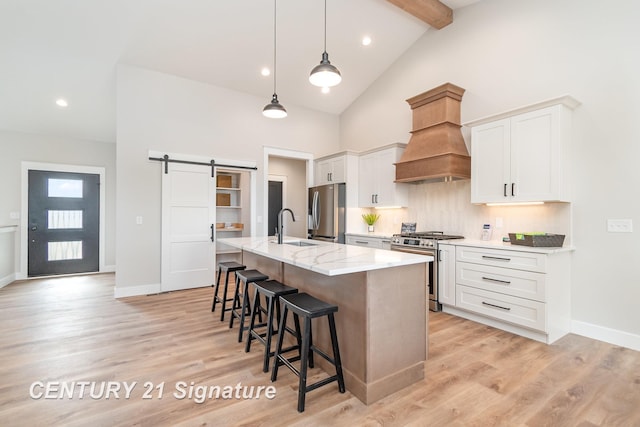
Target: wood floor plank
[(71, 329)]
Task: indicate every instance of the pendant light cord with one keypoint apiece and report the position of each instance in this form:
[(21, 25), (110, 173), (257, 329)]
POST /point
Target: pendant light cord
[(325, 25), (275, 8)]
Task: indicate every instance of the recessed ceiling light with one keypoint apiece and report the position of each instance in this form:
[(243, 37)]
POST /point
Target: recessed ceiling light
[(326, 89), (366, 41), (61, 102), (265, 72)]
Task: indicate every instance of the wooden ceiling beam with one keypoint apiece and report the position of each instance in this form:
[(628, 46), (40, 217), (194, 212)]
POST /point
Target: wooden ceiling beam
[(433, 12)]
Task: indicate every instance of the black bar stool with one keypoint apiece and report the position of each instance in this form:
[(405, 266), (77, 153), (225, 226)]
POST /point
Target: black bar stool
[(227, 267), (241, 308), (303, 304), (272, 290)]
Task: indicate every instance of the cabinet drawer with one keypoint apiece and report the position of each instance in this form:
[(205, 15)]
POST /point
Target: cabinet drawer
[(503, 258), (364, 241), (518, 283), (520, 311)]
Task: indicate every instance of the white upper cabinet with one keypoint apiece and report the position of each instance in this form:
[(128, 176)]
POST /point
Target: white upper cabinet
[(331, 170), (523, 155), (376, 179)]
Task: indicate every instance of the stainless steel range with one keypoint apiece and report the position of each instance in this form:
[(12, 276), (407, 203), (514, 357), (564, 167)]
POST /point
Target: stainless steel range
[(424, 243)]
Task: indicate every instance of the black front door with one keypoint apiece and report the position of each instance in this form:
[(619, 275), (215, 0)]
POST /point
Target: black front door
[(64, 223)]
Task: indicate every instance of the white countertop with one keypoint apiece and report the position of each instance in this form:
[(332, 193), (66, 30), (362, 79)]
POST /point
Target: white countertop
[(497, 244), (326, 258)]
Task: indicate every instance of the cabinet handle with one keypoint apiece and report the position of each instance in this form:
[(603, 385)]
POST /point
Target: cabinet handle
[(362, 242), (504, 192), (496, 306), (376, 198), (496, 258), (513, 189), (506, 282), (372, 199)]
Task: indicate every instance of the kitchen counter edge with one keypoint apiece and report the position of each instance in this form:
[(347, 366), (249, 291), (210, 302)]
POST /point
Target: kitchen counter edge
[(330, 259), (496, 244)]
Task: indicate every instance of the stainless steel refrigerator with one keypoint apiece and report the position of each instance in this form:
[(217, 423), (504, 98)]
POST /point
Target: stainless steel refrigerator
[(327, 212)]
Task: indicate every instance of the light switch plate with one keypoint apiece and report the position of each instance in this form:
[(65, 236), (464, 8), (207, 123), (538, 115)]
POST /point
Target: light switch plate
[(620, 226)]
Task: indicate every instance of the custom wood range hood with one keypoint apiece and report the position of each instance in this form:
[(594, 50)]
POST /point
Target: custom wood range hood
[(436, 149)]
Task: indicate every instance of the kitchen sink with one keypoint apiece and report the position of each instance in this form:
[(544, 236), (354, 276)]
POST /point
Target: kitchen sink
[(300, 243)]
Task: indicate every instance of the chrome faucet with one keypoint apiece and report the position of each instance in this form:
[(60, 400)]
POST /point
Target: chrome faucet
[(281, 225)]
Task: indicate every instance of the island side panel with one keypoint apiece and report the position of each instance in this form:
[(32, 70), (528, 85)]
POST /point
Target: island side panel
[(381, 325), (348, 292), (397, 328)]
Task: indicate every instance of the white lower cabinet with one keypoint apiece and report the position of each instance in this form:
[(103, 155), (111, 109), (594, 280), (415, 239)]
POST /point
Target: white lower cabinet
[(368, 241), (520, 291), (447, 274), (520, 311), (519, 283)]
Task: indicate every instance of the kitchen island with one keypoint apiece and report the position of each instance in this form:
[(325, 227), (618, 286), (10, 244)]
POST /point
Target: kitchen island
[(382, 301)]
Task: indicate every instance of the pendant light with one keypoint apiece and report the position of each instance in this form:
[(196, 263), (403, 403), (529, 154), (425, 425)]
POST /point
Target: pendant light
[(325, 74), (274, 109)]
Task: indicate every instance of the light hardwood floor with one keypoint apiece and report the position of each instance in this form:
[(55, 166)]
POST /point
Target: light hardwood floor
[(72, 329)]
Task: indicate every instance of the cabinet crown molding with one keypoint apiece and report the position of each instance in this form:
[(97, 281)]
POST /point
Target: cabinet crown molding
[(566, 100)]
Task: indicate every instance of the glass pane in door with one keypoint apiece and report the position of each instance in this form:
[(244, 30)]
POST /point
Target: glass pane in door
[(60, 251), (64, 188), (57, 220)]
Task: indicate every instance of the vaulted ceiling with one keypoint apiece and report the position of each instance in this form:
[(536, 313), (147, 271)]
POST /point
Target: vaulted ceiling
[(70, 48)]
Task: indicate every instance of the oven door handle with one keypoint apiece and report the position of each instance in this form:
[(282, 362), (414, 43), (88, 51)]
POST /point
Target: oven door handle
[(428, 252)]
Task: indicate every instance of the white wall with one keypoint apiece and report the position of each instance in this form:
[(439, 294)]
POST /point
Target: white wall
[(507, 54), (7, 255), (169, 114), (17, 147)]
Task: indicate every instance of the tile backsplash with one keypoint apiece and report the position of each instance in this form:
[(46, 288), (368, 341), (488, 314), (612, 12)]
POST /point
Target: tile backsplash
[(445, 206)]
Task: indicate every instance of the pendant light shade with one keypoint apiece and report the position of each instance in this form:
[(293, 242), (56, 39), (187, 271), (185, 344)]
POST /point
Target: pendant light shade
[(274, 110), (325, 74)]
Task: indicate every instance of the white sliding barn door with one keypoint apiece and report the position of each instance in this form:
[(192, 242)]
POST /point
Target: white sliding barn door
[(188, 212)]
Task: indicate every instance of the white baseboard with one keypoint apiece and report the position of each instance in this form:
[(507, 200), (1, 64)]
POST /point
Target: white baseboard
[(133, 291), (108, 269), (601, 333), (7, 279)]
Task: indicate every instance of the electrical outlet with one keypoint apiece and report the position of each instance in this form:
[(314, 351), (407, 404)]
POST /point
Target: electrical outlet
[(499, 222), (620, 226)]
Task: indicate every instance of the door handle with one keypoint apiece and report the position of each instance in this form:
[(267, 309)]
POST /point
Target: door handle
[(212, 238)]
